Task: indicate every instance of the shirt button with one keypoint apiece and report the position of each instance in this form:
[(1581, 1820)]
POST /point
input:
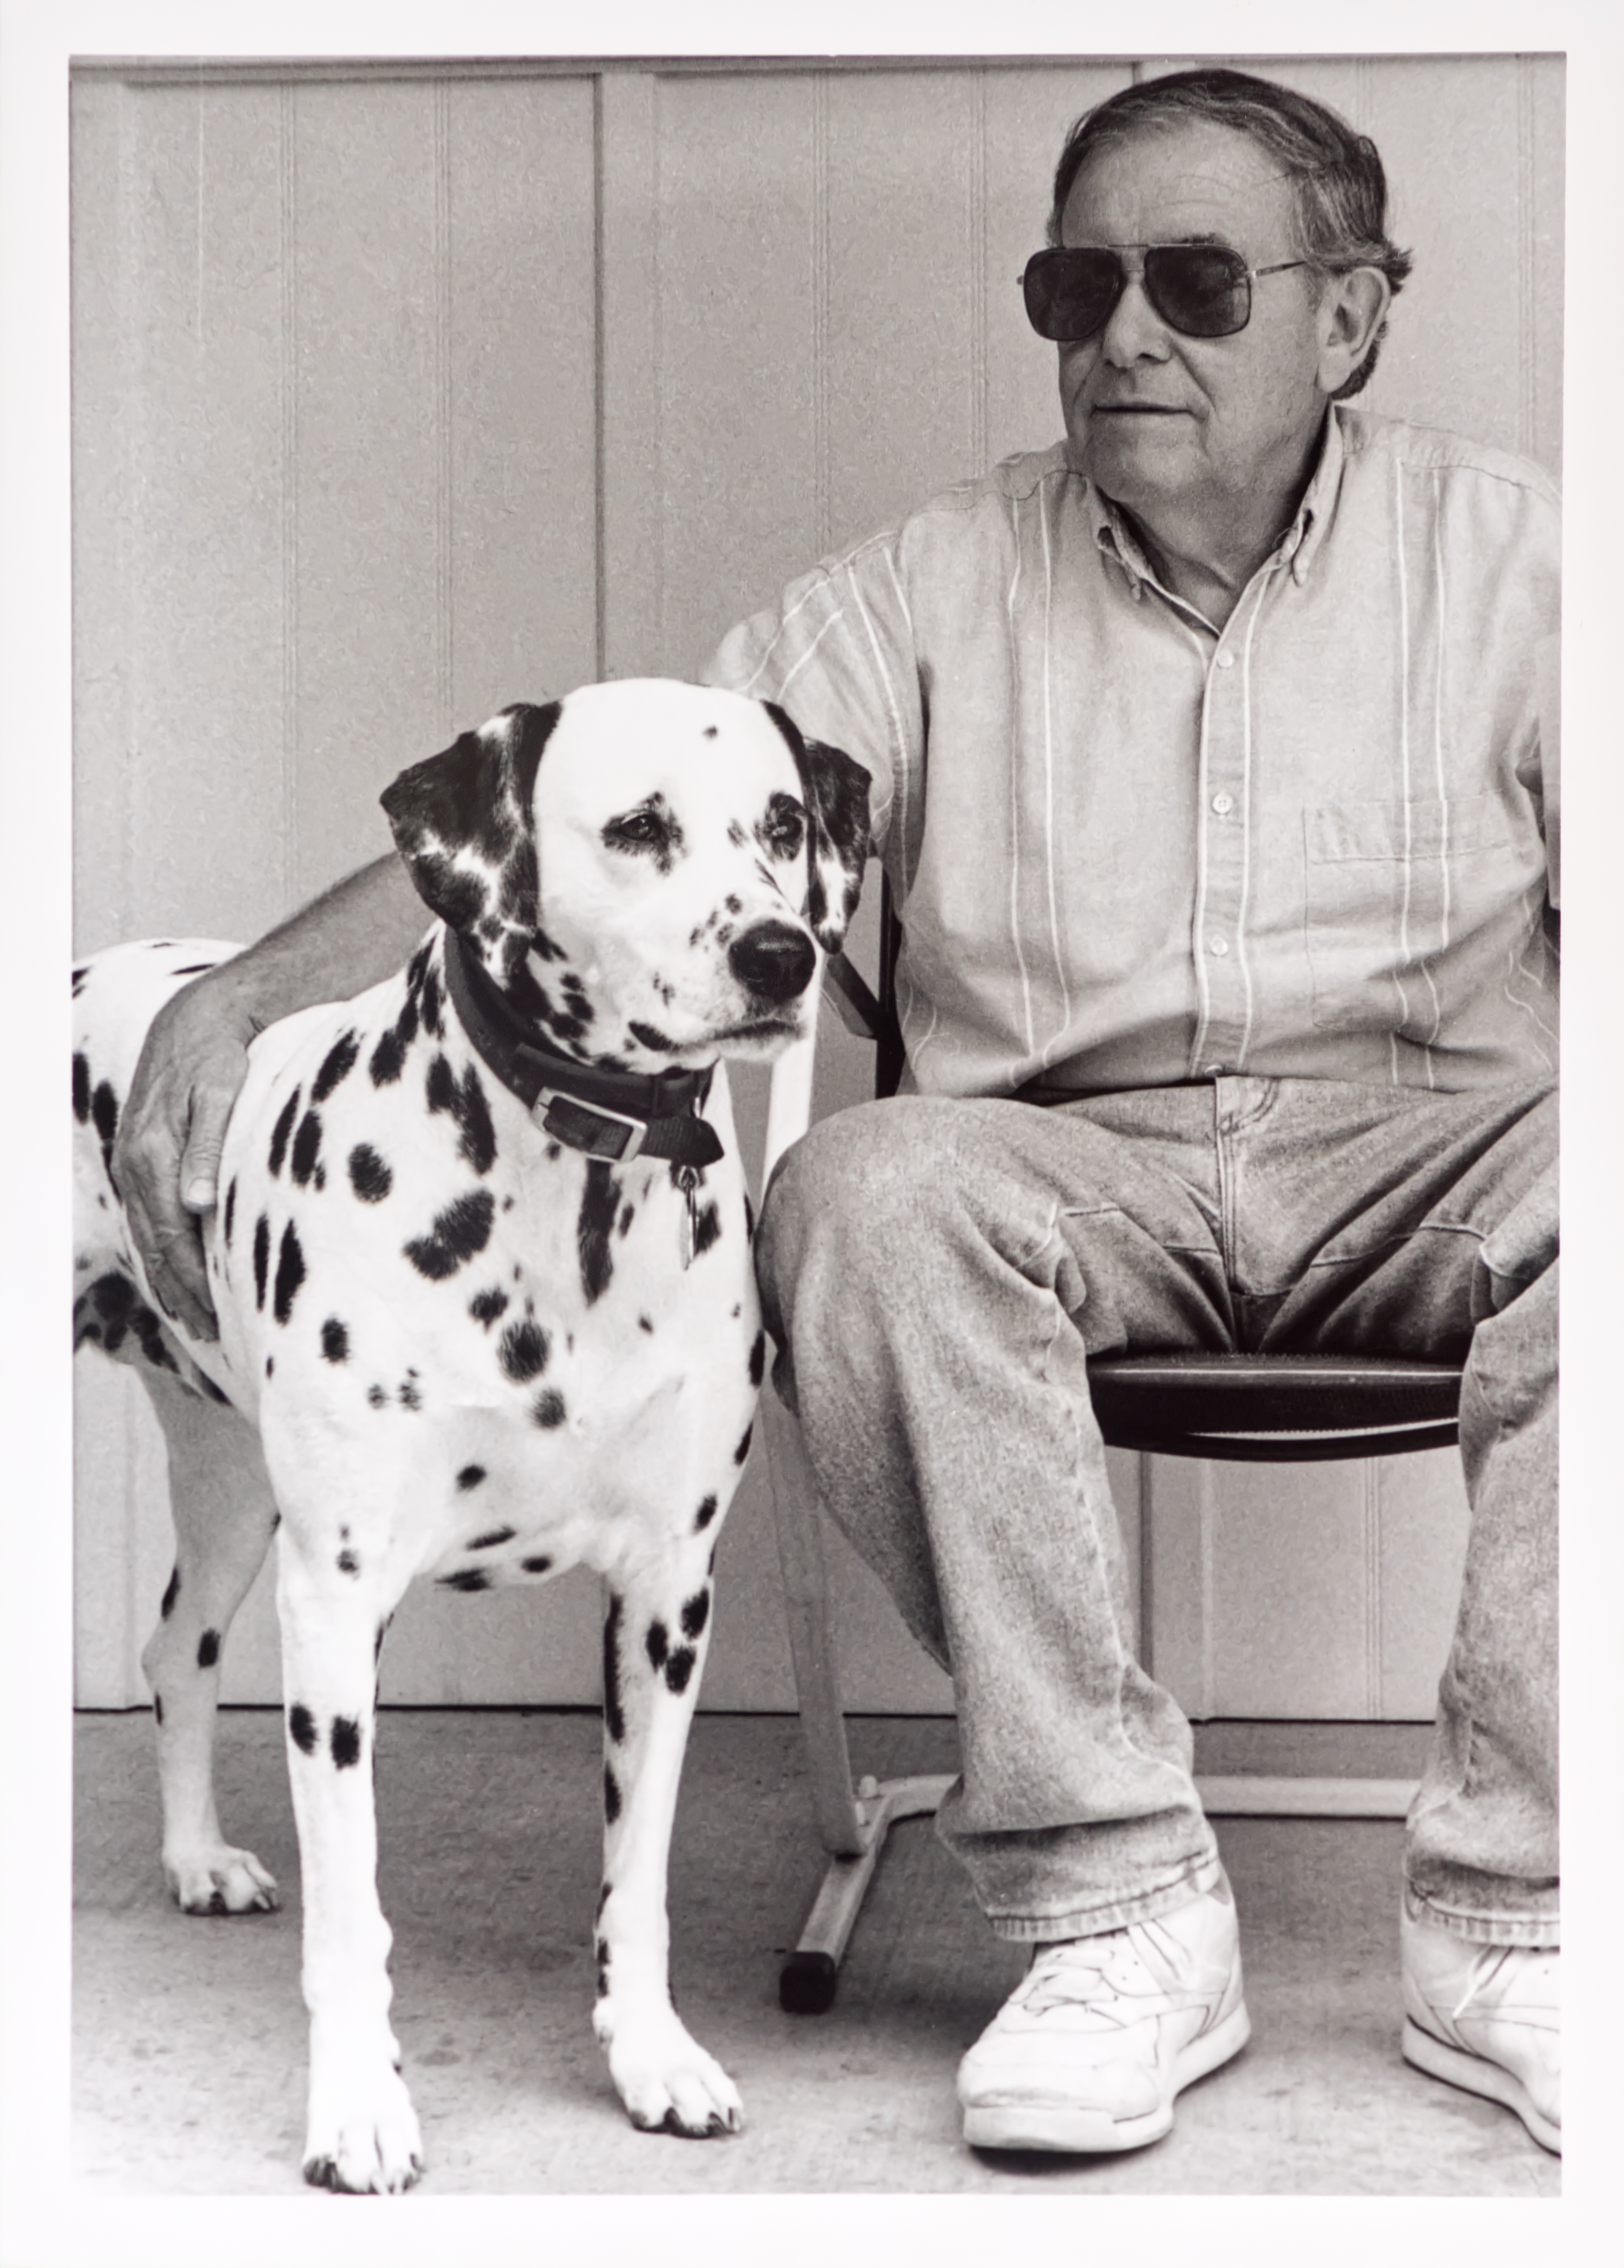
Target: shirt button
[(1222, 803), (1226, 661), (1219, 944)]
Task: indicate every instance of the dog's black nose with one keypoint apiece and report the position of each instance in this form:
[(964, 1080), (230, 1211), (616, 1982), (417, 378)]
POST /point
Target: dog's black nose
[(773, 961)]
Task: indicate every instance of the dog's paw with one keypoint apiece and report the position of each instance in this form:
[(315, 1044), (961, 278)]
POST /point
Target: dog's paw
[(218, 1879), (667, 2081), (368, 2143)]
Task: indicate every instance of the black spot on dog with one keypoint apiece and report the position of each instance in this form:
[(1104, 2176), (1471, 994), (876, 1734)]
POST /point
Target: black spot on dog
[(336, 1065), (166, 1604), (696, 1613), (679, 1668), (644, 1324), (209, 1649), (388, 1057), (467, 1579), (270, 1365), (334, 1340), (79, 975), (82, 1089), (428, 1001), (485, 1307), (706, 1514), (456, 895), (302, 1730), (458, 1233), (539, 1565), (647, 1036), (611, 1796), (377, 1397), (289, 1272), (105, 1111), (230, 1207), (599, 1201), (707, 1229), (348, 1563), (628, 1213), (547, 1409), (417, 967), (614, 1717), (370, 1177), (262, 1257), (281, 1131), (542, 944), (408, 1393), (466, 1105), (603, 1967), (306, 1146), (743, 1450), (522, 1351), (488, 1541), (470, 1476), (757, 1357), (158, 1707), (658, 1644), (346, 1742)]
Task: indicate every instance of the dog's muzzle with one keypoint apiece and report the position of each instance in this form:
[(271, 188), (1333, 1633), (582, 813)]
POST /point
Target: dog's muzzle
[(773, 962)]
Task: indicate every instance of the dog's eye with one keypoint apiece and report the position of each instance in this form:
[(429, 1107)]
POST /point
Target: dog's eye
[(783, 830), (650, 827)]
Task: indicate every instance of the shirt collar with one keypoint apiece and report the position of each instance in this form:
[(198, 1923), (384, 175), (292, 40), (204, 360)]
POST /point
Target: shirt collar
[(1297, 547)]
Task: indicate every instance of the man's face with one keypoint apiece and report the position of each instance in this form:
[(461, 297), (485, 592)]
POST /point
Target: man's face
[(1158, 419)]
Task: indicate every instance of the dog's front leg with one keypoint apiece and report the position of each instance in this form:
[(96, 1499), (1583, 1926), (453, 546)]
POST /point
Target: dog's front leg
[(655, 1636), (363, 2132)]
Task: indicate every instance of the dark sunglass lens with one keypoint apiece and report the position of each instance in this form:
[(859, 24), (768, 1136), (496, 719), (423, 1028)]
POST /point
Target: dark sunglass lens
[(1070, 294), (1201, 290)]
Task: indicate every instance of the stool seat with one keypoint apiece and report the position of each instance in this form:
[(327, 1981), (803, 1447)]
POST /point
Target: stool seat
[(1274, 1408)]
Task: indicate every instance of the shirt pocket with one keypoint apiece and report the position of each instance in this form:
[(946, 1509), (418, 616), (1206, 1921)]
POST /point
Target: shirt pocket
[(1388, 888)]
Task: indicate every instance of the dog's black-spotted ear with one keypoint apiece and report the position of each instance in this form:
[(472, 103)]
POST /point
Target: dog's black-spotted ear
[(462, 821), (835, 788)]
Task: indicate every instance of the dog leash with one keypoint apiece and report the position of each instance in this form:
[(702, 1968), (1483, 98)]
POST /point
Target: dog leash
[(617, 1114)]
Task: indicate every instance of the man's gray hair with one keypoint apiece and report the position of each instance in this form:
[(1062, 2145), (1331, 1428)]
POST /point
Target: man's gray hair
[(1336, 177)]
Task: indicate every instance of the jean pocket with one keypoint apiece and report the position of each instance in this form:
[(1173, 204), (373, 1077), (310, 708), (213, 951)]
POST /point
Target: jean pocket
[(1387, 886)]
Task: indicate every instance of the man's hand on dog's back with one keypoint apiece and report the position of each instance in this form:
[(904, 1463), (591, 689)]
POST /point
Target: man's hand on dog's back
[(167, 1157)]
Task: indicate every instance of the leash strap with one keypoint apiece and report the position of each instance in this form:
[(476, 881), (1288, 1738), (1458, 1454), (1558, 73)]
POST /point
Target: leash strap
[(617, 1114)]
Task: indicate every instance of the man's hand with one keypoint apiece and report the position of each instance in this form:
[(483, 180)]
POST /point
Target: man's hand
[(166, 1160), (167, 1157)]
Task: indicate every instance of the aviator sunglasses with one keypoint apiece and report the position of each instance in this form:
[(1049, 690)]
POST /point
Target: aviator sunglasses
[(1202, 290)]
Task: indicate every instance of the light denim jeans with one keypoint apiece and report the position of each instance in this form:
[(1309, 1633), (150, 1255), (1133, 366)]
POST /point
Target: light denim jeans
[(936, 1272)]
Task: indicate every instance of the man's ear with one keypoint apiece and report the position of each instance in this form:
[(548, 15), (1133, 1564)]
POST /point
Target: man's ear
[(463, 823), (835, 788), (1353, 313)]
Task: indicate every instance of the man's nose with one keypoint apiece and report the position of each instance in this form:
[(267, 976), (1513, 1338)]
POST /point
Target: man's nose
[(1135, 332)]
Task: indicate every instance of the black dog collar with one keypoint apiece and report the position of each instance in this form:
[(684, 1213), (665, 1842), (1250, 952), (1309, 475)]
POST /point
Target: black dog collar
[(617, 1114)]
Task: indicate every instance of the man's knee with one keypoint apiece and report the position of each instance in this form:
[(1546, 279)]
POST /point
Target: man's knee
[(857, 1189)]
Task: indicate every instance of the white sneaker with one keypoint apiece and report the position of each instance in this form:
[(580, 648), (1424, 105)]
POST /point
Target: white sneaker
[(1089, 2050), (1485, 2017)]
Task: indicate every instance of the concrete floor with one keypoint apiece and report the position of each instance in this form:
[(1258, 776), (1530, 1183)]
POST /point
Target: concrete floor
[(190, 2053)]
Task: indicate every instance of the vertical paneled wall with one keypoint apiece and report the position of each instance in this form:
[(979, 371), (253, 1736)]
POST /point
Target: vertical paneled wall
[(401, 395)]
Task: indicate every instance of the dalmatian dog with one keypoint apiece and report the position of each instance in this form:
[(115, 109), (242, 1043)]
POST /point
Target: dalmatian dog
[(480, 1263)]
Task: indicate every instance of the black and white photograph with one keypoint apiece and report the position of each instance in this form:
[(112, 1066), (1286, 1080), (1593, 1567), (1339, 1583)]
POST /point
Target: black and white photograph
[(811, 841)]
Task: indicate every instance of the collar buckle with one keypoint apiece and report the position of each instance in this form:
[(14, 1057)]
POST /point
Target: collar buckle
[(588, 1126)]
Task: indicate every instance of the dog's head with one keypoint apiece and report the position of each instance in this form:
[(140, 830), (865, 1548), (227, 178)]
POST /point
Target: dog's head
[(649, 869)]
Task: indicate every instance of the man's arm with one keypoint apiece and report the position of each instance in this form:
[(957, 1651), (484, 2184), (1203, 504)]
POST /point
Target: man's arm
[(166, 1158)]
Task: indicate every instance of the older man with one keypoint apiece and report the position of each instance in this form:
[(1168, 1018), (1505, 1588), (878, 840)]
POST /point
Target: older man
[(1212, 789), (1212, 781)]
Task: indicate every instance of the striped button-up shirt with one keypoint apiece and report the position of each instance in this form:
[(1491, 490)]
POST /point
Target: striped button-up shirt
[(1129, 849)]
